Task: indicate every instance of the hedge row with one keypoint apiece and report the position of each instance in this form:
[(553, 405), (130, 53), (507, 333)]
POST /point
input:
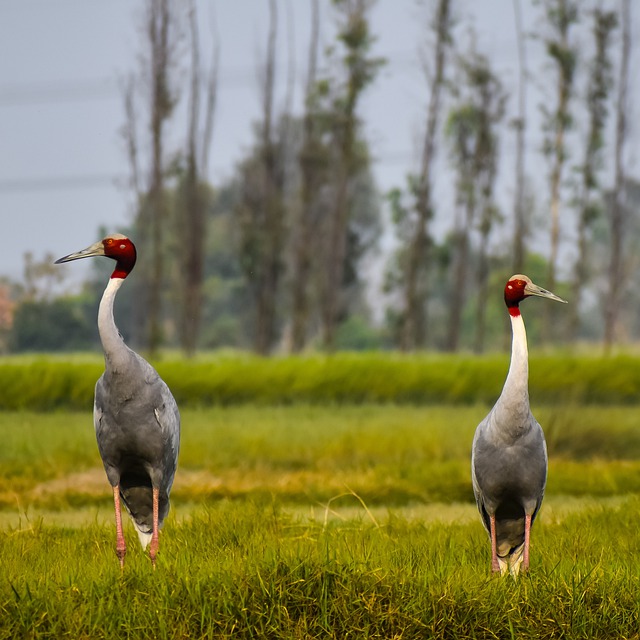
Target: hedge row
[(45, 384)]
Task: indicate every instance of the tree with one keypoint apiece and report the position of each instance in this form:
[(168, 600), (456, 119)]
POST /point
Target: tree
[(415, 256), (348, 160), (7, 310), (471, 132), (154, 215), (600, 82), (313, 164), (40, 320), (51, 325), (191, 209), (162, 29), (561, 16), (616, 213), (40, 277), (262, 211), (520, 124)]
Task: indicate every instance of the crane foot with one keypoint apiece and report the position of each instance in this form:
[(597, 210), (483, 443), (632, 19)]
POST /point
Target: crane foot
[(153, 550), (121, 551)]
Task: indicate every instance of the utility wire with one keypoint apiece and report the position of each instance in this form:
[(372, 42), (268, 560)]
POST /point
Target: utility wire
[(101, 180), (50, 183), (22, 94)]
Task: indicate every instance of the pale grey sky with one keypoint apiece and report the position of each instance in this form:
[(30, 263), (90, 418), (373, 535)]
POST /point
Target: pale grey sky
[(61, 63)]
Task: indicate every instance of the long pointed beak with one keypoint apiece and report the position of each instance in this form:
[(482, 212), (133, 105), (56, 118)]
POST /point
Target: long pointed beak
[(534, 290), (96, 249)]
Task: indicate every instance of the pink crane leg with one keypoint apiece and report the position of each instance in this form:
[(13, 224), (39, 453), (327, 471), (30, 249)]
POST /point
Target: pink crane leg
[(495, 565), (155, 543), (121, 546), (527, 537)]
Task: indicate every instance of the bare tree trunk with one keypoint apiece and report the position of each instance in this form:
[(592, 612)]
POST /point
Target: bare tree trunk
[(272, 205), (130, 135), (161, 107), (264, 301), (193, 225), (413, 332), (612, 309), (309, 165), (210, 107), (337, 249), (460, 270), (564, 58), (600, 81), (481, 308), (486, 224), (520, 230)]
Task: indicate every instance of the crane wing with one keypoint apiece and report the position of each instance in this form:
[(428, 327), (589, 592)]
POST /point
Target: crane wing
[(168, 417)]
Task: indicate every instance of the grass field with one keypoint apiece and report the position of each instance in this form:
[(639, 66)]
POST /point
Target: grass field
[(45, 383), (312, 521)]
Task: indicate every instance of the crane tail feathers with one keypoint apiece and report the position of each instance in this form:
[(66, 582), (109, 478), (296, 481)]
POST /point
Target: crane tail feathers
[(503, 563), (512, 562), (143, 536), (144, 533)]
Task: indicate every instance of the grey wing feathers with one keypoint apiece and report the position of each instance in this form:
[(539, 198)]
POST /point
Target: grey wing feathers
[(508, 470), (477, 459), (137, 416), (168, 417)]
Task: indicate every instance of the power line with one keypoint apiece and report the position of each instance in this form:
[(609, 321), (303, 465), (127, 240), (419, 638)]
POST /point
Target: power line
[(101, 180), (107, 88), (56, 183), (52, 92)]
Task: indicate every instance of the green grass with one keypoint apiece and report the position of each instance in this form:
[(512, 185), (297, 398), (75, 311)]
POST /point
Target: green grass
[(311, 521), (303, 454), (54, 382), (245, 571)]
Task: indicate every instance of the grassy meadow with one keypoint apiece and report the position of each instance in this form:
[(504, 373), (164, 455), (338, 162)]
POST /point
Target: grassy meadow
[(317, 518)]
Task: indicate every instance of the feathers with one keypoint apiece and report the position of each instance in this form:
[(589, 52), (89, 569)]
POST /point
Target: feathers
[(511, 562), (509, 453), (136, 419)]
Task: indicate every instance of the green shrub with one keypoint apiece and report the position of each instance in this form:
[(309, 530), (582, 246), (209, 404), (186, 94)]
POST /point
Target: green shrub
[(47, 382)]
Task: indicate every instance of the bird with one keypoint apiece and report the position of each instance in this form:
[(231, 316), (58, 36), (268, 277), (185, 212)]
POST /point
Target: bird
[(136, 418), (509, 452)]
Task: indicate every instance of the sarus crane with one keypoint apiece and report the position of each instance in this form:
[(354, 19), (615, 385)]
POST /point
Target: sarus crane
[(136, 418), (509, 453)]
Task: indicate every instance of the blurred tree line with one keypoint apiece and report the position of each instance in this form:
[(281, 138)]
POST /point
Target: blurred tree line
[(282, 255)]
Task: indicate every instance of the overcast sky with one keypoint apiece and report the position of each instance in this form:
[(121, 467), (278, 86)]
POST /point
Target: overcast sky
[(63, 166)]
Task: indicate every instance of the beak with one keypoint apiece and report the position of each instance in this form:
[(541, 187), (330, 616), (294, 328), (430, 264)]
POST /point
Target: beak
[(534, 290), (96, 249)]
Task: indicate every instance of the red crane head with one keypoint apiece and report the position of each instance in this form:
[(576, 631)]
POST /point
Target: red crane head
[(115, 246), (519, 287)]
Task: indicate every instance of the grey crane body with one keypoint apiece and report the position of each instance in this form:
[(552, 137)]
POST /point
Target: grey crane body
[(509, 475), (509, 453), (136, 418)]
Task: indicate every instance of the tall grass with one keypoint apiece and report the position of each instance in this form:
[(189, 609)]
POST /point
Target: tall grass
[(42, 384)]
